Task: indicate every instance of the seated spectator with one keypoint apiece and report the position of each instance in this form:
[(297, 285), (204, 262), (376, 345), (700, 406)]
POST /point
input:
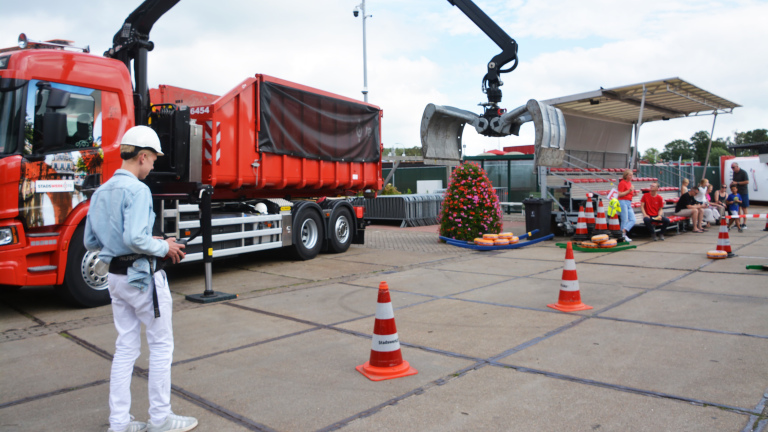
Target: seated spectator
[(684, 187), (734, 203), (718, 210), (720, 197), (701, 198), (651, 205), (688, 207)]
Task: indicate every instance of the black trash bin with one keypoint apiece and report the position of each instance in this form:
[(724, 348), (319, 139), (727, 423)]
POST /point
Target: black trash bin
[(538, 215)]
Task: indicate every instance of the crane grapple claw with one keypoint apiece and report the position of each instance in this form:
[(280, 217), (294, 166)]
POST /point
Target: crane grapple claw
[(442, 128)]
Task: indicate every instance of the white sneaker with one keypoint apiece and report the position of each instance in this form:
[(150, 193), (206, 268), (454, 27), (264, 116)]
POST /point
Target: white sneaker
[(133, 426), (627, 239), (174, 423)]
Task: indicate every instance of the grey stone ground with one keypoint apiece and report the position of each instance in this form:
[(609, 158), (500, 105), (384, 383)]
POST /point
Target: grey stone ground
[(675, 342)]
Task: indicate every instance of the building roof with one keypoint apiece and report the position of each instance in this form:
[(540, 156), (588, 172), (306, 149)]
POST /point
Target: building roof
[(664, 99)]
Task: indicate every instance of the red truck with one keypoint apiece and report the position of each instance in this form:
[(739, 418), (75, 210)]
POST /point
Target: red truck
[(248, 170)]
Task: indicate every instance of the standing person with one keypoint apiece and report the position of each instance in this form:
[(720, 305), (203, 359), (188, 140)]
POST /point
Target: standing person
[(651, 205), (687, 206), (741, 179), (626, 190), (119, 226), (733, 201)]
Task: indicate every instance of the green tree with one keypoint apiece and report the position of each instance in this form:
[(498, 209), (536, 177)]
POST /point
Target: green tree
[(753, 136), (700, 143), (651, 155), (676, 149), (714, 156)]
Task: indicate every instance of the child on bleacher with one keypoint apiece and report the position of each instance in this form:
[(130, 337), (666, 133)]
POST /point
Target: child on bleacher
[(733, 201)]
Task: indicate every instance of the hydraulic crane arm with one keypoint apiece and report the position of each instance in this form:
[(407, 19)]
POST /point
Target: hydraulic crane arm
[(132, 43), (491, 81)]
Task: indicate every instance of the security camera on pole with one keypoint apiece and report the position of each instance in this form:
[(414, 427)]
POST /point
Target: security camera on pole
[(361, 8)]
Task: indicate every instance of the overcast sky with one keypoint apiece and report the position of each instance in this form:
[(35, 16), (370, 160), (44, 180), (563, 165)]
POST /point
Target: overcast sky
[(427, 51)]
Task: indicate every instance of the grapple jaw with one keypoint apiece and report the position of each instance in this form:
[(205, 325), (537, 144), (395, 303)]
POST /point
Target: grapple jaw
[(442, 128)]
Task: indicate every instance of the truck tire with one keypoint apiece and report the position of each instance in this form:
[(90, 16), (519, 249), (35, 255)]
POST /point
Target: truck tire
[(83, 285), (340, 236), (307, 234)]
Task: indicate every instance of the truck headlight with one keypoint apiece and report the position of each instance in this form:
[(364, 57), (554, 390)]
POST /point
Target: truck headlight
[(8, 236)]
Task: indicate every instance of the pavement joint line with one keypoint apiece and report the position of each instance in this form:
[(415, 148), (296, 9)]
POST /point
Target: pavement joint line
[(415, 392), (52, 393), (688, 291), (635, 390), (756, 420), (191, 397), (538, 339), (724, 332), (219, 410), (242, 347)]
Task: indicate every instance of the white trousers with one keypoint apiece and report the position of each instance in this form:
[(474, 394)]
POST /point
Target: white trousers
[(131, 308)]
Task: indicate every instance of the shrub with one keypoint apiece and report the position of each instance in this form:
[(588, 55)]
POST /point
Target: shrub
[(471, 207), (390, 190)]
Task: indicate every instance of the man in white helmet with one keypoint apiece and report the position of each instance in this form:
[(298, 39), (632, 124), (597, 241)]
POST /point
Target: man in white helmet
[(119, 226)]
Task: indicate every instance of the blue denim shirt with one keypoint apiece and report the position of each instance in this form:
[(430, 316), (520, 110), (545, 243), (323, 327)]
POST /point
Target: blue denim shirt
[(120, 221)]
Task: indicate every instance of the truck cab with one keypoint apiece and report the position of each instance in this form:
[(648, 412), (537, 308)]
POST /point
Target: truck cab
[(62, 112)]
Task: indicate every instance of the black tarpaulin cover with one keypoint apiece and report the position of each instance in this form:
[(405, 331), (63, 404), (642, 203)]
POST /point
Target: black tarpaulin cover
[(305, 124)]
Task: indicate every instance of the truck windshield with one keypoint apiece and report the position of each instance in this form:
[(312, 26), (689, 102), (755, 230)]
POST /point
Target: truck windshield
[(11, 114)]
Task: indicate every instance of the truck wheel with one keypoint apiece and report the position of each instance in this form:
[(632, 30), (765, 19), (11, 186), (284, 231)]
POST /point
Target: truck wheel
[(307, 235), (341, 230), (84, 285)]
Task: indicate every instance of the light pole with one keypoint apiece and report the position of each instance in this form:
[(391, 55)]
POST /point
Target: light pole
[(361, 8)]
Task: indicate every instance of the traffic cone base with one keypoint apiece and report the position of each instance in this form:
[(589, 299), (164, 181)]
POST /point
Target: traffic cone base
[(374, 373)]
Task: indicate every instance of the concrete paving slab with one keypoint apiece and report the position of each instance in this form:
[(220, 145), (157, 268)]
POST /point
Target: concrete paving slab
[(625, 276), (328, 304), (538, 293), (669, 247), (714, 283), (13, 320), (234, 282), (500, 266), (306, 382), (44, 304), (697, 310), (396, 258), (496, 399), (754, 250), (737, 264), (472, 329), (47, 363), (547, 254), (87, 409), (430, 281), (316, 270), (654, 260), (202, 331), (712, 367)]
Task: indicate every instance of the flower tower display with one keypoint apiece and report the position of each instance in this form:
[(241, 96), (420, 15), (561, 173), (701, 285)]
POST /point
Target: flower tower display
[(471, 207)]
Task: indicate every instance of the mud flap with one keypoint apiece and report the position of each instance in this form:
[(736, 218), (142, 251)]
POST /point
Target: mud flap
[(442, 128)]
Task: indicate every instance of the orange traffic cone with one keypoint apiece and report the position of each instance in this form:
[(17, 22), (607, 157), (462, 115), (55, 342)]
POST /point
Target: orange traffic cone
[(601, 226), (386, 359), (570, 297), (724, 240), (581, 227), (590, 215), (615, 227)]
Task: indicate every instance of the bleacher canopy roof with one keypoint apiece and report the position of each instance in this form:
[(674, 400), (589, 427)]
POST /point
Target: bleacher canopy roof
[(664, 99)]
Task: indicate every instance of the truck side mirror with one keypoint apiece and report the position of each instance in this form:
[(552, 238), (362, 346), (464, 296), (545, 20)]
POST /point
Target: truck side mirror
[(57, 99)]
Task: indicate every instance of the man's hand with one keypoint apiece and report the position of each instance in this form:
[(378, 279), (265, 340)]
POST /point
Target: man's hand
[(175, 253)]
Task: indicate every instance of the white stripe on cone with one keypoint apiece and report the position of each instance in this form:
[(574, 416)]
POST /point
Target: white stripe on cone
[(568, 285), (384, 311)]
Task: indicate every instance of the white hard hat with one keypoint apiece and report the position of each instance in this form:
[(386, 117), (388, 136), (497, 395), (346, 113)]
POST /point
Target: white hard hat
[(261, 208), (143, 137)]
